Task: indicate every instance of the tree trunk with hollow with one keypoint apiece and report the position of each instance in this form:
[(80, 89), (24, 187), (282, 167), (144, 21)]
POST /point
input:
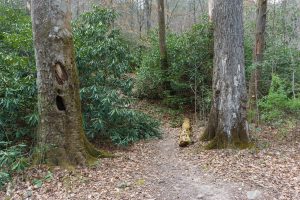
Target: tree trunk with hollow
[(61, 138), (261, 15), (227, 126)]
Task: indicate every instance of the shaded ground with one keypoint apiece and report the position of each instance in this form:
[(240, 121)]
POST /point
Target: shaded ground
[(160, 170)]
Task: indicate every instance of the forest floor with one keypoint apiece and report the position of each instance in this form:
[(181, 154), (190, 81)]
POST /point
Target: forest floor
[(160, 170)]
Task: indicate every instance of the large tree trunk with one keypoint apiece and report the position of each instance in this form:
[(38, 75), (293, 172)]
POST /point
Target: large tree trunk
[(261, 15), (162, 42), (227, 124), (61, 136)]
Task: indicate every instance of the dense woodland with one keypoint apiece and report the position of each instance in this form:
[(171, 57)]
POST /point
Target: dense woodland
[(100, 81)]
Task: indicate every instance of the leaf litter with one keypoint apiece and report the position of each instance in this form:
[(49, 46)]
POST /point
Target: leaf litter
[(159, 169)]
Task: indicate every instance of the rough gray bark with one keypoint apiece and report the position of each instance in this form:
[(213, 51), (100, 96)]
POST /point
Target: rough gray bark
[(61, 138), (162, 42), (227, 124), (261, 16)]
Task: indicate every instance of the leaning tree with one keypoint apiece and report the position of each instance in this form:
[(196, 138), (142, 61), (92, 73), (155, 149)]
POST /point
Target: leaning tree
[(61, 138), (227, 125)]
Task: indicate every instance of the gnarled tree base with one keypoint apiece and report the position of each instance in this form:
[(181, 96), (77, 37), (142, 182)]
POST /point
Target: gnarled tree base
[(218, 138), (68, 158)]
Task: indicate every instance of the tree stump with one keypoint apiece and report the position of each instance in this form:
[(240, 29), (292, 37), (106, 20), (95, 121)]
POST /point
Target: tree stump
[(185, 134)]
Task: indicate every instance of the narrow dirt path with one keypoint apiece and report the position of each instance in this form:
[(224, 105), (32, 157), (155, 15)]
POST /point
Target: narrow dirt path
[(179, 177)]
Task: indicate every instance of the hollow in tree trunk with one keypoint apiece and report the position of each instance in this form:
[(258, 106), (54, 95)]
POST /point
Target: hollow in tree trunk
[(61, 138), (227, 126)]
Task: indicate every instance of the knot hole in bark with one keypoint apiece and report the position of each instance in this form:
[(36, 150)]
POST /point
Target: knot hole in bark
[(218, 92), (60, 103), (60, 73)]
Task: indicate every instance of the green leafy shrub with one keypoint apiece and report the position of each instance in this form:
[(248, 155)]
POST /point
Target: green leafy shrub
[(12, 159), (149, 78), (285, 62), (18, 116), (103, 59), (276, 106), (190, 68)]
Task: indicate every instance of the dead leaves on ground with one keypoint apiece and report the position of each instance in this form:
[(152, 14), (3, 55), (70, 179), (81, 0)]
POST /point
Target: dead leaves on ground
[(274, 168)]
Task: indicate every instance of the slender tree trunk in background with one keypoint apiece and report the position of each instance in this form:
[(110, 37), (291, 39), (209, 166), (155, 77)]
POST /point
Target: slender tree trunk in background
[(210, 9), (28, 6), (166, 13), (194, 12), (140, 18), (162, 43), (78, 8), (227, 125), (261, 15), (148, 15), (61, 137), (132, 14)]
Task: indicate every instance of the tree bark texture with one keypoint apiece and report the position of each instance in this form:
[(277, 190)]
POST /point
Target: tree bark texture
[(227, 124), (261, 16), (61, 137), (162, 42)]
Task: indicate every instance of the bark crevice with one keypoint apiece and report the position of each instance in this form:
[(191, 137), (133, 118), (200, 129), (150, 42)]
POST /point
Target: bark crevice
[(60, 73)]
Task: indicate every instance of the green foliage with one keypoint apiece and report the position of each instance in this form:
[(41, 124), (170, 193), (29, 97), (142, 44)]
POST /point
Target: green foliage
[(12, 159), (17, 90), (103, 59), (190, 59), (18, 116), (276, 106), (281, 55), (285, 62), (149, 78)]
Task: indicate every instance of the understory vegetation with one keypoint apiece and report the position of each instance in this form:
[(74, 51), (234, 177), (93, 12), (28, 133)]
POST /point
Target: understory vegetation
[(114, 76), (190, 69), (104, 64)]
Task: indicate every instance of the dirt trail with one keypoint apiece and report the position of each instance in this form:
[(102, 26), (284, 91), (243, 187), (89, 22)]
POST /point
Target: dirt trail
[(181, 178), (153, 170)]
